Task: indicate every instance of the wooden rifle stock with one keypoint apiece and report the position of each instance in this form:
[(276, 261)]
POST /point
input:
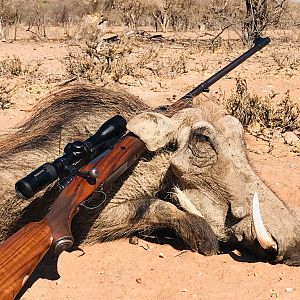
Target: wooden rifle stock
[(19, 256), (21, 253)]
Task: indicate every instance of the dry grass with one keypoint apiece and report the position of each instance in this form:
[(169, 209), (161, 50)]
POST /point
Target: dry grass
[(111, 62), (5, 95), (287, 60), (282, 115), (5, 102), (12, 66)]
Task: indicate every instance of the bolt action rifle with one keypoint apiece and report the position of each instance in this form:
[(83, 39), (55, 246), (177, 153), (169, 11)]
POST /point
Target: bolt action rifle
[(85, 167)]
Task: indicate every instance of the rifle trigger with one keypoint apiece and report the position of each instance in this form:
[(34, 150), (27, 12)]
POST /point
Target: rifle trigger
[(94, 203)]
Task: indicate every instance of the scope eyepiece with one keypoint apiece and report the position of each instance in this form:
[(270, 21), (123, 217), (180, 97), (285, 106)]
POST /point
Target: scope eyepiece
[(74, 152)]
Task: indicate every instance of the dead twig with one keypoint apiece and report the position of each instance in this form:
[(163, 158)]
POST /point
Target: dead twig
[(180, 253), (67, 81)]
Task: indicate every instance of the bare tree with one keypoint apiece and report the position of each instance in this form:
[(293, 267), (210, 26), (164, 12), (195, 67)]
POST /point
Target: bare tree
[(261, 14), (10, 16), (132, 11), (185, 14), (162, 11)]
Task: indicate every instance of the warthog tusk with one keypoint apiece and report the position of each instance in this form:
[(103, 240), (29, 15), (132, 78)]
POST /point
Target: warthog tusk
[(263, 236)]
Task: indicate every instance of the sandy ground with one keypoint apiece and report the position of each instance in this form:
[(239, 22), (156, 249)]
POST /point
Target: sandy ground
[(162, 269)]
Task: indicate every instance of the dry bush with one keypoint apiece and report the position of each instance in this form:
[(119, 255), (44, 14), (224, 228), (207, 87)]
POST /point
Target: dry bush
[(5, 102), (168, 67), (286, 59), (5, 95), (12, 66), (112, 61), (32, 68), (266, 112), (94, 61)]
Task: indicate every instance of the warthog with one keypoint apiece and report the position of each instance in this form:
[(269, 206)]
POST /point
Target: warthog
[(195, 179)]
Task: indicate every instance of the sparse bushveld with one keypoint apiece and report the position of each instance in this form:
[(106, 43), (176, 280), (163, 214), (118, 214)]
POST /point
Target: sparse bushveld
[(110, 62), (244, 17), (12, 66), (249, 108), (287, 60)]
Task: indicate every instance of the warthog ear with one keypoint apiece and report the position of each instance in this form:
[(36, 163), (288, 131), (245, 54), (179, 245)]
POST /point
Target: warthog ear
[(155, 130)]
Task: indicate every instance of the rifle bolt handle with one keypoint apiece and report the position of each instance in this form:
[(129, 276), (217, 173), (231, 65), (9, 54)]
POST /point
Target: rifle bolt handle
[(93, 173), (90, 174)]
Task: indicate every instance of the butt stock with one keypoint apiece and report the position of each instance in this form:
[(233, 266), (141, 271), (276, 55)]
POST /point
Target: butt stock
[(19, 256)]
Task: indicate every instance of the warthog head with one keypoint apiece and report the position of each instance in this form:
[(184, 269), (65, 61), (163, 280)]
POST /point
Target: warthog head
[(216, 181)]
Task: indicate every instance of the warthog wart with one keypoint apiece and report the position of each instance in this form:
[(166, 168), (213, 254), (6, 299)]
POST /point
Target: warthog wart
[(195, 178)]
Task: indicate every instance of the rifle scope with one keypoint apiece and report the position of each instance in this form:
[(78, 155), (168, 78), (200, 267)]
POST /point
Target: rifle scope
[(74, 152)]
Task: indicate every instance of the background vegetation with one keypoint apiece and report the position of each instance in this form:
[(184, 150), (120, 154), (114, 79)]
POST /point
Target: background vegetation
[(245, 17), (152, 43)]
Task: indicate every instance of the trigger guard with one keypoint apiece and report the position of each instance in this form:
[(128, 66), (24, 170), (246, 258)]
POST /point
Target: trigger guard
[(94, 208)]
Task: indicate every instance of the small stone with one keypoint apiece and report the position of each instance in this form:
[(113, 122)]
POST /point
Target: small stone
[(161, 255), (139, 280), (290, 138), (255, 127), (289, 290), (184, 290), (134, 240)]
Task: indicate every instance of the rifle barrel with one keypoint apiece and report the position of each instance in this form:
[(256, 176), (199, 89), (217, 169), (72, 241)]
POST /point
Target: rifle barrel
[(259, 43)]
